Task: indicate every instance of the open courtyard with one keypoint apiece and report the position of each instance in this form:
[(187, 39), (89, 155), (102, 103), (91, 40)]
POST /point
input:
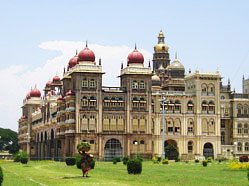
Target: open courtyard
[(106, 173)]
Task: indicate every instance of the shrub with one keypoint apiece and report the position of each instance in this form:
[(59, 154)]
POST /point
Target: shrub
[(78, 161), (209, 159), (118, 159), (83, 146), (155, 160), (197, 161), (125, 160), (248, 174), (1, 176), (114, 161), (17, 157), (171, 152), (139, 157), (159, 159), (134, 166), (234, 165), (243, 158), (204, 163), (165, 161), (24, 157), (70, 161)]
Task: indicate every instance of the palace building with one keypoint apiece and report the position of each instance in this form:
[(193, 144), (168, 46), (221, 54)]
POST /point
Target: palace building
[(201, 117)]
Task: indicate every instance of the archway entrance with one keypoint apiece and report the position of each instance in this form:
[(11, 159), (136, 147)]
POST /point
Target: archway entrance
[(208, 150), (113, 149)]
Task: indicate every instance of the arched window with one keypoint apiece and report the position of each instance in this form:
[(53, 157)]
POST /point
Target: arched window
[(211, 89), (204, 106), (92, 101), (84, 83), (190, 126), (211, 107), (92, 83), (204, 89), (246, 146), (134, 85), (239, 111), (177, 106), (239, 128), (190, 106), (239, 147), (190, 147), (141, 85), (246, 128), (84, 101), (245, 112)]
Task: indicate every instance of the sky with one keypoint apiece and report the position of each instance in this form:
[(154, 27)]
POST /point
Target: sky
[(37, 39)]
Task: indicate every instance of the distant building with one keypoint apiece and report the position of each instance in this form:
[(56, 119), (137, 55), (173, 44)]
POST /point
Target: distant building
[(203, 118)]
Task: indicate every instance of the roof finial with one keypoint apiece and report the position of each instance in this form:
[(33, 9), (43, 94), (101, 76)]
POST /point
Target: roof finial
[(122, 65), (228, 81), (86, 43), (135, 46), (149, 63), (176, 55), (100, 61), (76, 53), (243, 77)]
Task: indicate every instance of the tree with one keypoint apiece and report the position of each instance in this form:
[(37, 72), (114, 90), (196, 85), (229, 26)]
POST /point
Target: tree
[(9, 140), (171, 152)]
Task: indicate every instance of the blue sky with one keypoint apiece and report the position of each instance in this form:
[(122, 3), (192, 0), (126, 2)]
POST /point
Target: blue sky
[(206, 35)]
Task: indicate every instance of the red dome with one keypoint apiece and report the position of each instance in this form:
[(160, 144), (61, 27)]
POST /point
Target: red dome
[(86, 55), (35, 93), (69, 93), (56, 78), (135, 57), (73, 61), (48, 84)]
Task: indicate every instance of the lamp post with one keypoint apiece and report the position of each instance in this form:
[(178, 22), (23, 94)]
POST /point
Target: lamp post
[(163, 100)]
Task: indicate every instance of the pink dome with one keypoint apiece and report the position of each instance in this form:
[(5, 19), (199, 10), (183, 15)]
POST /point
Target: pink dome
[(73, 61), (86, 55), (135, 57), (35, 93), (56, 78)]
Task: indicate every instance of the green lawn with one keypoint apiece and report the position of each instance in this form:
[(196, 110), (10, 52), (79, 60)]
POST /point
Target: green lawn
[(106, 173)]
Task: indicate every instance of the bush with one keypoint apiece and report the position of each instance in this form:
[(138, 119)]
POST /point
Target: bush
[(156, 159), (248, 174), (70, 161), (139, 157), (159, 159), (1, 176), (197, 161), (171, 152), (114, 161), (17, 157), (78, 161), (125, 160), (243, 158), (118, 159), (165, 161), (209, 159), (134, 166), (24, 160), (83, 146), (204, 163)]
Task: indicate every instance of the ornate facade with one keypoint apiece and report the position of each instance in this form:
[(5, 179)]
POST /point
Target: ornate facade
[(202, 117)]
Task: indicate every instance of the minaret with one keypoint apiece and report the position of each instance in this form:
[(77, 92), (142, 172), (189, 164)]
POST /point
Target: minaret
[(161, 54)]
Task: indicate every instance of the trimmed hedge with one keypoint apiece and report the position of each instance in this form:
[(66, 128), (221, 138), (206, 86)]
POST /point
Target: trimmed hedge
[(134, 166), (78, 161), (24, 160), (17, 157), (165, 161), (1, 176), (125, 160), (243, 159), (204, 163), (70, 161)]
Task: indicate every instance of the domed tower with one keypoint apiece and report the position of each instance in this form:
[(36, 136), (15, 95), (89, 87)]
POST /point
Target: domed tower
[(161, 54)]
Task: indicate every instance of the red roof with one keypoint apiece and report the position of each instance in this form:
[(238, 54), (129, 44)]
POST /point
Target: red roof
[(86, 55)]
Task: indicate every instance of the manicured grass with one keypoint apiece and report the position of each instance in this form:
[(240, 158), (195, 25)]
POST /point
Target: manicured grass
[(106, 173)]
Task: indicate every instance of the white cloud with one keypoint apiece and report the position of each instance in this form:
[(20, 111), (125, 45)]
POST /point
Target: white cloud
[(21, 78)]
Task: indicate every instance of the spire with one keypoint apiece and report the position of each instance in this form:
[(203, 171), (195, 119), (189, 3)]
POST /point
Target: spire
[(176, 55), (135, 46), (76, 53), (189, 71), (228, 81), (86, 44), (149, 63), (64, 71), (100, 61), (122, 65), (160, 37), (243, 77)]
